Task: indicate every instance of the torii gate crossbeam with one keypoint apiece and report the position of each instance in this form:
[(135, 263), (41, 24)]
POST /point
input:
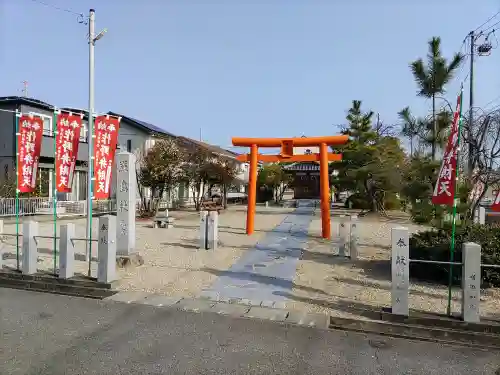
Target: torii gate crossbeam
[(286, 155)]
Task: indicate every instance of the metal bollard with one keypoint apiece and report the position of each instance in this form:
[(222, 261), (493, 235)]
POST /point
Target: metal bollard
[(353, 237), (213, 230), (471, 282), (203, 230), (30, 251), (400, 269), (67, 251), (106, 267)]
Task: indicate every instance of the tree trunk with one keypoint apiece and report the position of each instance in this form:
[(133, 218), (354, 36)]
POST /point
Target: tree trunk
[(434, 128)]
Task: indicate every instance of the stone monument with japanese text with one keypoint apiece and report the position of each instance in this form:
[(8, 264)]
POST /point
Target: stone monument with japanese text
[(400, 270), (125, 210)]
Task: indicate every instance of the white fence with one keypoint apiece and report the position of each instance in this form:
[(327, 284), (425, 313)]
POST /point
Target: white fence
[(45, 206)]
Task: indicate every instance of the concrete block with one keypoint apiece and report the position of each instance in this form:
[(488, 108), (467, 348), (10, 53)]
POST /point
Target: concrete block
[(400, 269), (265, 313), (195, 305), (106, 268), (128, 296), (159, 300), (471, 282), (308, 319), (231, 309), (125, 193), (203, 230), (66, 251), (30, 250), (353, 237), (213, 230)]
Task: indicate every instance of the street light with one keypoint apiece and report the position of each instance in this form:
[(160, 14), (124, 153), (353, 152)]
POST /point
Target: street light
[(92, 40)]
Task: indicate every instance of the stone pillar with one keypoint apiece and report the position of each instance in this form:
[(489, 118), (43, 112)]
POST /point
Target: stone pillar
[(30, 251), (343, 235), (213, 230), (67, 251), (471, 281), (106, 268), (353, 237), (400, 270), (203, 229), (125, 198), (482, 215)]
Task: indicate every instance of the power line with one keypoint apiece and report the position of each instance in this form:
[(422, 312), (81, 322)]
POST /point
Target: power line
[(81, 18), (487, 21)]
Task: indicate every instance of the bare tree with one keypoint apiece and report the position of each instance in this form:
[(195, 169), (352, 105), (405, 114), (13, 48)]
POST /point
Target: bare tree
[(484, 141), (161, 169), (196, 170)]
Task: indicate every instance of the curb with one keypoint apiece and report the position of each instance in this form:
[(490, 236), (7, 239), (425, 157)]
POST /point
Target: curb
[(237, 308), (484, 336)]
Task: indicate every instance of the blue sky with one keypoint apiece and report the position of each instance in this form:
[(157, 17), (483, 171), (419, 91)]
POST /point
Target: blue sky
[(239, 68)]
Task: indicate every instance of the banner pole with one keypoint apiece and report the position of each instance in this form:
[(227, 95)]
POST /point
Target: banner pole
[(454, 215), (18, 114), (54, 190)]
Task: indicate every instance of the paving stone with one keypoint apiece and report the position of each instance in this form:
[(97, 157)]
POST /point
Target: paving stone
[(266, 313), (159, 300), (267, 303), (250, 302), (231, 309), (196, 305), (279, 305), (210, 295), (308, 319), (127, 297)]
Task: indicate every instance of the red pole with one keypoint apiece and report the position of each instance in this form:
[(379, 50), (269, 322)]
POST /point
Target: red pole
[(252, 189), (324, 191)]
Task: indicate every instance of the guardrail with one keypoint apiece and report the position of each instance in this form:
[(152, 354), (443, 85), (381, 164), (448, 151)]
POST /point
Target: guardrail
[(45, 206)]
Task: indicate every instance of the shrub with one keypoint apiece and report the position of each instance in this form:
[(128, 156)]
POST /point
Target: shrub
[(435, 245)]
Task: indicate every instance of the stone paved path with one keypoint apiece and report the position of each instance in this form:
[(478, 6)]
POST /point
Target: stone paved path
[(266, 272)]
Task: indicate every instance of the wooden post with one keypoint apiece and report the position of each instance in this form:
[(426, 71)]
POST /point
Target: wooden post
[(324, 191), (252, 189)]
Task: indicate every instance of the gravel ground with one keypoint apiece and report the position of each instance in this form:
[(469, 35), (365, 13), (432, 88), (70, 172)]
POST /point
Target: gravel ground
[(324, 282), (329, 283), (173, 264)]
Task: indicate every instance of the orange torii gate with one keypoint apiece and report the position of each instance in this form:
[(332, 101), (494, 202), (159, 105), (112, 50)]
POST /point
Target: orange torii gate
[(286, 155)]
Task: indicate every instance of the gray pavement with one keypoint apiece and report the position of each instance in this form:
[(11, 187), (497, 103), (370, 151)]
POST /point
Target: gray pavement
[(49, 334)]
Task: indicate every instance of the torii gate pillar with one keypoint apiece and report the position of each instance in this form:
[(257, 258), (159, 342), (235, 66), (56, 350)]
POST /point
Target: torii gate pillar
[(287, 145)]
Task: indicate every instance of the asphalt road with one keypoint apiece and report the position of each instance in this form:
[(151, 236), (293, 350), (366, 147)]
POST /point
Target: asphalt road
[(49, 334)]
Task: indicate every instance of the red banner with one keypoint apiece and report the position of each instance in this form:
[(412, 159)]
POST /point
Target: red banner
[(67, 141), (29, 145), (444, 191), (106, 137)]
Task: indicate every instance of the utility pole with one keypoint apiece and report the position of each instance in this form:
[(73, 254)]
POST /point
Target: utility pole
[(25, 88), (470, 164), (90, 133)]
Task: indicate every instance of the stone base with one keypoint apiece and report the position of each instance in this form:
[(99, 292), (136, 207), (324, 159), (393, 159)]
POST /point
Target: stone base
[(132, 260)]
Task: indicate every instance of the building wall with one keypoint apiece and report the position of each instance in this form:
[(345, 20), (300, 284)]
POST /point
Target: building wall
[(7, 145)]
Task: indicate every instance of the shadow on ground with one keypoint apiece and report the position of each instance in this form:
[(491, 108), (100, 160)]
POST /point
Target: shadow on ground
[(262, 279)]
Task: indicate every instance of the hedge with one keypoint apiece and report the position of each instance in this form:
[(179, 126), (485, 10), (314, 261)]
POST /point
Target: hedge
[(435, 245)]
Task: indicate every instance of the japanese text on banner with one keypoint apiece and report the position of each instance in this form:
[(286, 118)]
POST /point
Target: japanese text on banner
[(444, 191), (29, 144), (67, 141), (106, 136)]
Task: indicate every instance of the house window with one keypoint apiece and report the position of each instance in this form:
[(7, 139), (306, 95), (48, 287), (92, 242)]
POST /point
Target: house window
[(47, 122), (129, 145), (83, 131)]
